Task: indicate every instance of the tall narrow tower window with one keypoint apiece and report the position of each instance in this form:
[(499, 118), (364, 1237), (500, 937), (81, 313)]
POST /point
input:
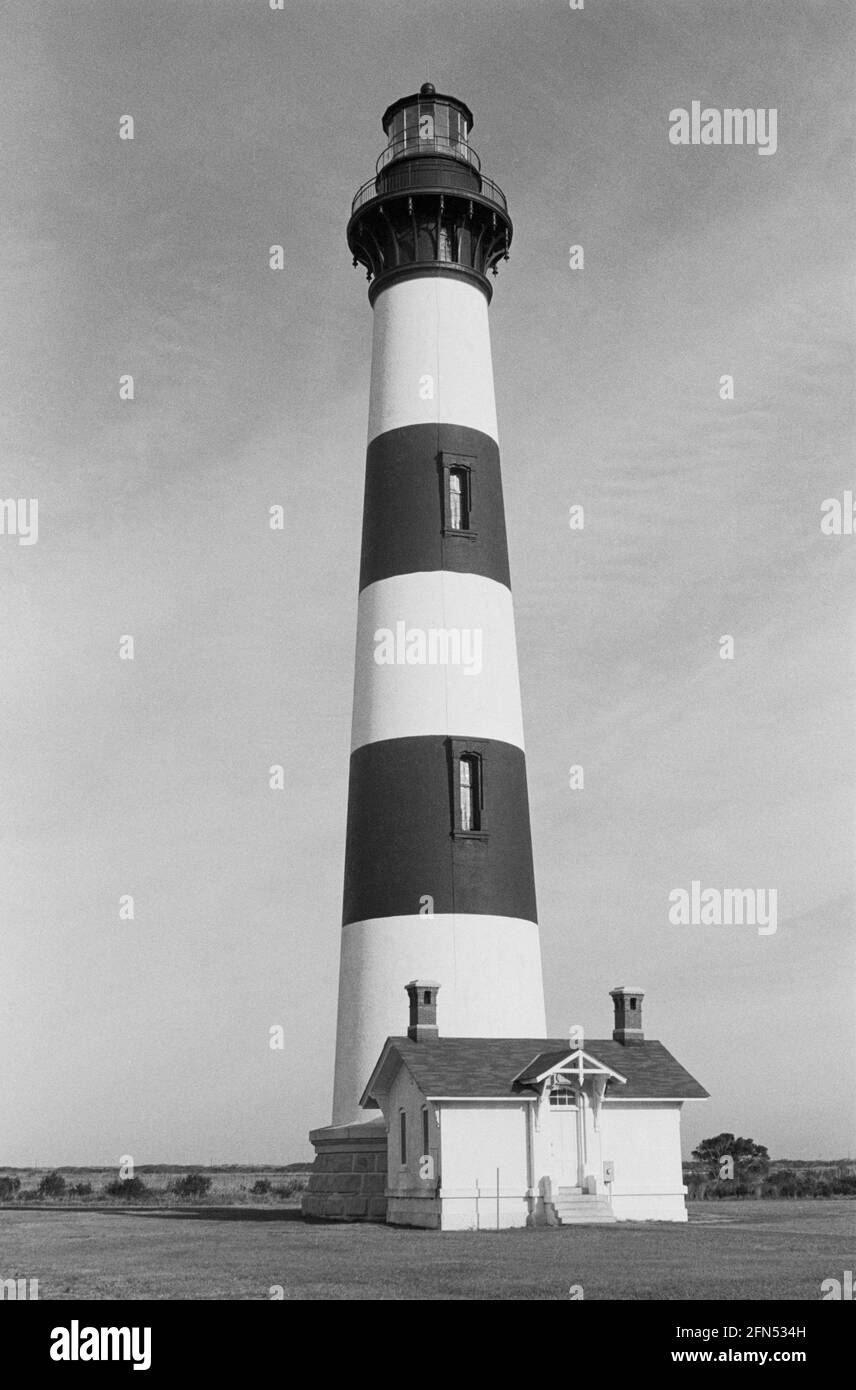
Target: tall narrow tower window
[(457, 500), (467, 788), (470, 798), (457, 494), (402, 1135)]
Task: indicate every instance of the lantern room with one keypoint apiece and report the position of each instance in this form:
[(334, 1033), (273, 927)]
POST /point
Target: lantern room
[(428, 209), (427, 124)]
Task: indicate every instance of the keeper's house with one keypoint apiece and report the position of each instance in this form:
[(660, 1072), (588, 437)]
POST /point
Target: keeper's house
[(494, 1132)]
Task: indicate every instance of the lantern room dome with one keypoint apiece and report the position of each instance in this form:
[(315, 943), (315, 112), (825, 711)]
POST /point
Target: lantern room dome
[(426, 98)]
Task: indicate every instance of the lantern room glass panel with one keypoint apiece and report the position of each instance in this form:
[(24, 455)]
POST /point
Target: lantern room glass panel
[(428, 126)]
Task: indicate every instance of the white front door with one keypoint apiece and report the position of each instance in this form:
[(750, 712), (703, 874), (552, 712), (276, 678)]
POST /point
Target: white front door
[(564, 1153)]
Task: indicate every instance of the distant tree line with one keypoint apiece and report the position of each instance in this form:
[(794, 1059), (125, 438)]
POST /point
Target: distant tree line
[(55, 1185), (731, 1166), (192, 1185)]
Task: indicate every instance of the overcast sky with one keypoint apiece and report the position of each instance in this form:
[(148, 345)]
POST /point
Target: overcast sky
[(702, 518)]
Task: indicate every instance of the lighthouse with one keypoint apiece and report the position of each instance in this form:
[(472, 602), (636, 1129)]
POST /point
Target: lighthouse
[(438, 881)]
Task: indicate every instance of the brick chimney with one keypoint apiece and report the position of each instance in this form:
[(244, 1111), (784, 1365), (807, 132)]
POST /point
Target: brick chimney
[(423, 1010), (628, 1014)]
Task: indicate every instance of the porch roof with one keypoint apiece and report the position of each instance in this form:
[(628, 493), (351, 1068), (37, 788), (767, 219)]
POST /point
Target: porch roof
[(651, 1072)]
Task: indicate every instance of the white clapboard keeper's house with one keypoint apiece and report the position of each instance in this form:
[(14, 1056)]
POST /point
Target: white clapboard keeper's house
[(494, 1132)]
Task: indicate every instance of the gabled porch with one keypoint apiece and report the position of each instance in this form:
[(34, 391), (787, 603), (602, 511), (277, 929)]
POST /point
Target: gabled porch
[(572, 1180)]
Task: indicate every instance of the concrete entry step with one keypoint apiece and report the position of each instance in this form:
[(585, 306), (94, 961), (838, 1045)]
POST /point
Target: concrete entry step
[(582, 1209)]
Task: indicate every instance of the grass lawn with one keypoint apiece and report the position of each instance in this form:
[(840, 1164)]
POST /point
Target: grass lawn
[(729, 1250)]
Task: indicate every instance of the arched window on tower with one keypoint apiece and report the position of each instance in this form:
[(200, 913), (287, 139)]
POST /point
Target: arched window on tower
[(469, 791), (468, 803), (457, 498)]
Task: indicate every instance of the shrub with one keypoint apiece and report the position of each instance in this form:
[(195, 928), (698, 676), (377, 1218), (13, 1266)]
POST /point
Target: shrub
[(786, 1183), (192, 1185), (126, 1187), (8, 1187), (260, 1188), (52, 1185), (290, 1186), (82, 1189)]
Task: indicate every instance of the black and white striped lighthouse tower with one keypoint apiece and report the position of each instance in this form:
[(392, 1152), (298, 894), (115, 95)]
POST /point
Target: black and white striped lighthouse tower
[(439, 882)]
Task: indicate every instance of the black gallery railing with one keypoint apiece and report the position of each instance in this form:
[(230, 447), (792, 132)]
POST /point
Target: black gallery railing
[(407, 179)]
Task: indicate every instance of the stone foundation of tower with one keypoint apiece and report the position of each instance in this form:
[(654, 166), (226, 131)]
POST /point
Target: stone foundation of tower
[(348, 1179)]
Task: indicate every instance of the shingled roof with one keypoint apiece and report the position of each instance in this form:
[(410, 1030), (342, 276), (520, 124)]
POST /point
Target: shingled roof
[(506, 1067)]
